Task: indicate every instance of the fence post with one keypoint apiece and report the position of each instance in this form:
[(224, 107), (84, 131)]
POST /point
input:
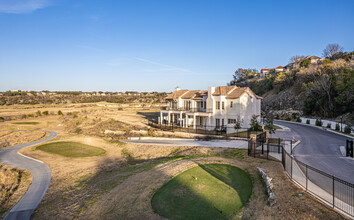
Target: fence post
[(278, 145), (291, 146), (306, 176), (333, 190), (254, 151), (291, 167), (268, 150)]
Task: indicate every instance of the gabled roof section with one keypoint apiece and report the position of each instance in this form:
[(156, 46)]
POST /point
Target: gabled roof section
[(237, 93), (224, 90), (176, 94), (190, 94), (279, 67), (199, 95)]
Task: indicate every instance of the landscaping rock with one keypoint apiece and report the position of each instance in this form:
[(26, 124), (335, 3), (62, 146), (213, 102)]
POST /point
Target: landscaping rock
[(268, 181)]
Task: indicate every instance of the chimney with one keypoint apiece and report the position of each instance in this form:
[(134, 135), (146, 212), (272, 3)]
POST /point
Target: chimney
[(177, 89)]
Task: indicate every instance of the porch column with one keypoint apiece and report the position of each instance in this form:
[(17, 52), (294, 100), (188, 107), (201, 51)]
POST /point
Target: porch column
[(181, 119), (161, 118), (169, 118), (186, 121), (194, 121)]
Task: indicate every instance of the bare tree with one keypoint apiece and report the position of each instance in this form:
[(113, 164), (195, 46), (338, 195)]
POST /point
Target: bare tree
[(331, 49), (296, 58)]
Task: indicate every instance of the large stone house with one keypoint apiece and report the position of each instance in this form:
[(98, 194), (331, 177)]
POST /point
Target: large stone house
[(218, 107)]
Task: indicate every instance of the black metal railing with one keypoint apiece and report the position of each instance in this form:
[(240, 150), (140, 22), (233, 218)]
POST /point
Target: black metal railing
[(334, 191), (168, 108), (206, 130)]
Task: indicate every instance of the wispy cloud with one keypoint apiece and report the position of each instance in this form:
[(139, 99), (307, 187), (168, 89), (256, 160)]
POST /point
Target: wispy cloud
[(166, 68), (22, 6)]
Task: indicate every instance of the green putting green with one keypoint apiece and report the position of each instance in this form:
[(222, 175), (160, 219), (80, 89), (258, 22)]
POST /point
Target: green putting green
[(211, 191), (71, 149)]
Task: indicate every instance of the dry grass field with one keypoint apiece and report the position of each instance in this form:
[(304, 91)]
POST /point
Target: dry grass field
[(120, 183)]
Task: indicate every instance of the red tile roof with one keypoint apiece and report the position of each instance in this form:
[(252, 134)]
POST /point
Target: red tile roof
[(177, 94), (224, 90), (235, 94)]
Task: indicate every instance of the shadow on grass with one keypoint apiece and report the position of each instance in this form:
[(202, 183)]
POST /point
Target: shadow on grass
[(150, 116)]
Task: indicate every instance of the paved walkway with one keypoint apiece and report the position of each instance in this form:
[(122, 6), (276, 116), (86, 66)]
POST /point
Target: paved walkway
[(188, 142), (40, 182)]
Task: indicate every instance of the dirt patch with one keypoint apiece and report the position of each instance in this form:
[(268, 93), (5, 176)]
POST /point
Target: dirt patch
[(14, 183), (11, 138)]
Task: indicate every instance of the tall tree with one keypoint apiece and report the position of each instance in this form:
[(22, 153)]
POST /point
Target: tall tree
[(296, 59), (331, 49)]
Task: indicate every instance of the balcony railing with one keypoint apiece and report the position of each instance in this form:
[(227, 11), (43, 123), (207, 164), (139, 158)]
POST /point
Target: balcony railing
[(187, 109)]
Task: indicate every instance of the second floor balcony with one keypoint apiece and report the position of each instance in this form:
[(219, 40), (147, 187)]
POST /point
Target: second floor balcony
[(168, 108)]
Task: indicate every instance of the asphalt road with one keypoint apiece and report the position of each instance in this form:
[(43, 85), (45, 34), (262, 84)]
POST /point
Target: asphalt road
[(40, 183), (320, 149)]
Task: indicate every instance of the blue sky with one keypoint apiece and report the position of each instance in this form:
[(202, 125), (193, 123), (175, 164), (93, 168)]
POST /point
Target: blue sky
[(153, 45)]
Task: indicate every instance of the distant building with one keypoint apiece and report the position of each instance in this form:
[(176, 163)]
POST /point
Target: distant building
[(264, 72), (279, 69)]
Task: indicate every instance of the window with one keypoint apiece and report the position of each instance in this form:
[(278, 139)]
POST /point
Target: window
[(231, 121), (222, 122), (223, 105), (201, 104), (231, 104), (217, 105), (217, 122)]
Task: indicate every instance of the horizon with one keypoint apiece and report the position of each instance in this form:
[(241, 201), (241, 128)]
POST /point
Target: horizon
[(158, 45)]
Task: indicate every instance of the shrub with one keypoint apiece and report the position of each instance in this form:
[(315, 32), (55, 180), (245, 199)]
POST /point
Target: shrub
[(120, 109), (60, 113), (75, 115), (329, 125), (288, 118), (337, 127), (45, 113), (254, 124), (78, 130), (24, 116), (298, 120), (318, 122), (308, 121), (2, 119), (38, 113), (347, 129)]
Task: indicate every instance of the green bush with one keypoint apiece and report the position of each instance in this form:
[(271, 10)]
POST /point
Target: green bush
[(347, 129), (120, 109), (78, 130), (60, 112), (288, 119), (328, 125), (337, 127), (308, 121), (2, 119), (45, 113), (38, 113), (318, 122), (24, 116), (298, 120)]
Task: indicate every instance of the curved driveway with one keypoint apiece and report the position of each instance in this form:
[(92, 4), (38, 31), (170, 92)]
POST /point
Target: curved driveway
[(320, 149), (40, 182)]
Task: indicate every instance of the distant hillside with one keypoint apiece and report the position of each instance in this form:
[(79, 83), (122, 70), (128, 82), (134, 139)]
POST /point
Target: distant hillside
[(11, 98), (323, 90)]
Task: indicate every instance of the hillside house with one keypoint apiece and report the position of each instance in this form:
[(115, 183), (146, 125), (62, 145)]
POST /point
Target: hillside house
[(264, 72), (279, 69), (217, 107)]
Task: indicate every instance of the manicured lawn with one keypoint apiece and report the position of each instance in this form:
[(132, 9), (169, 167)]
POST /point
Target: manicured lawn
[(211, 191), (71, 149), (26, 123)]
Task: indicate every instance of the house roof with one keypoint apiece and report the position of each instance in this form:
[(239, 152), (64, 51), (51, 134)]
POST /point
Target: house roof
[(177, 94), (235, 94), (265, 69), (279, 67), (224, 90), (190, 94), (199, 95)]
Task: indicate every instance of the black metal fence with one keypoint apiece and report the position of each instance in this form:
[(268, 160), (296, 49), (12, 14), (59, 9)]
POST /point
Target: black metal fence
[(336, 192), (207, 130)]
